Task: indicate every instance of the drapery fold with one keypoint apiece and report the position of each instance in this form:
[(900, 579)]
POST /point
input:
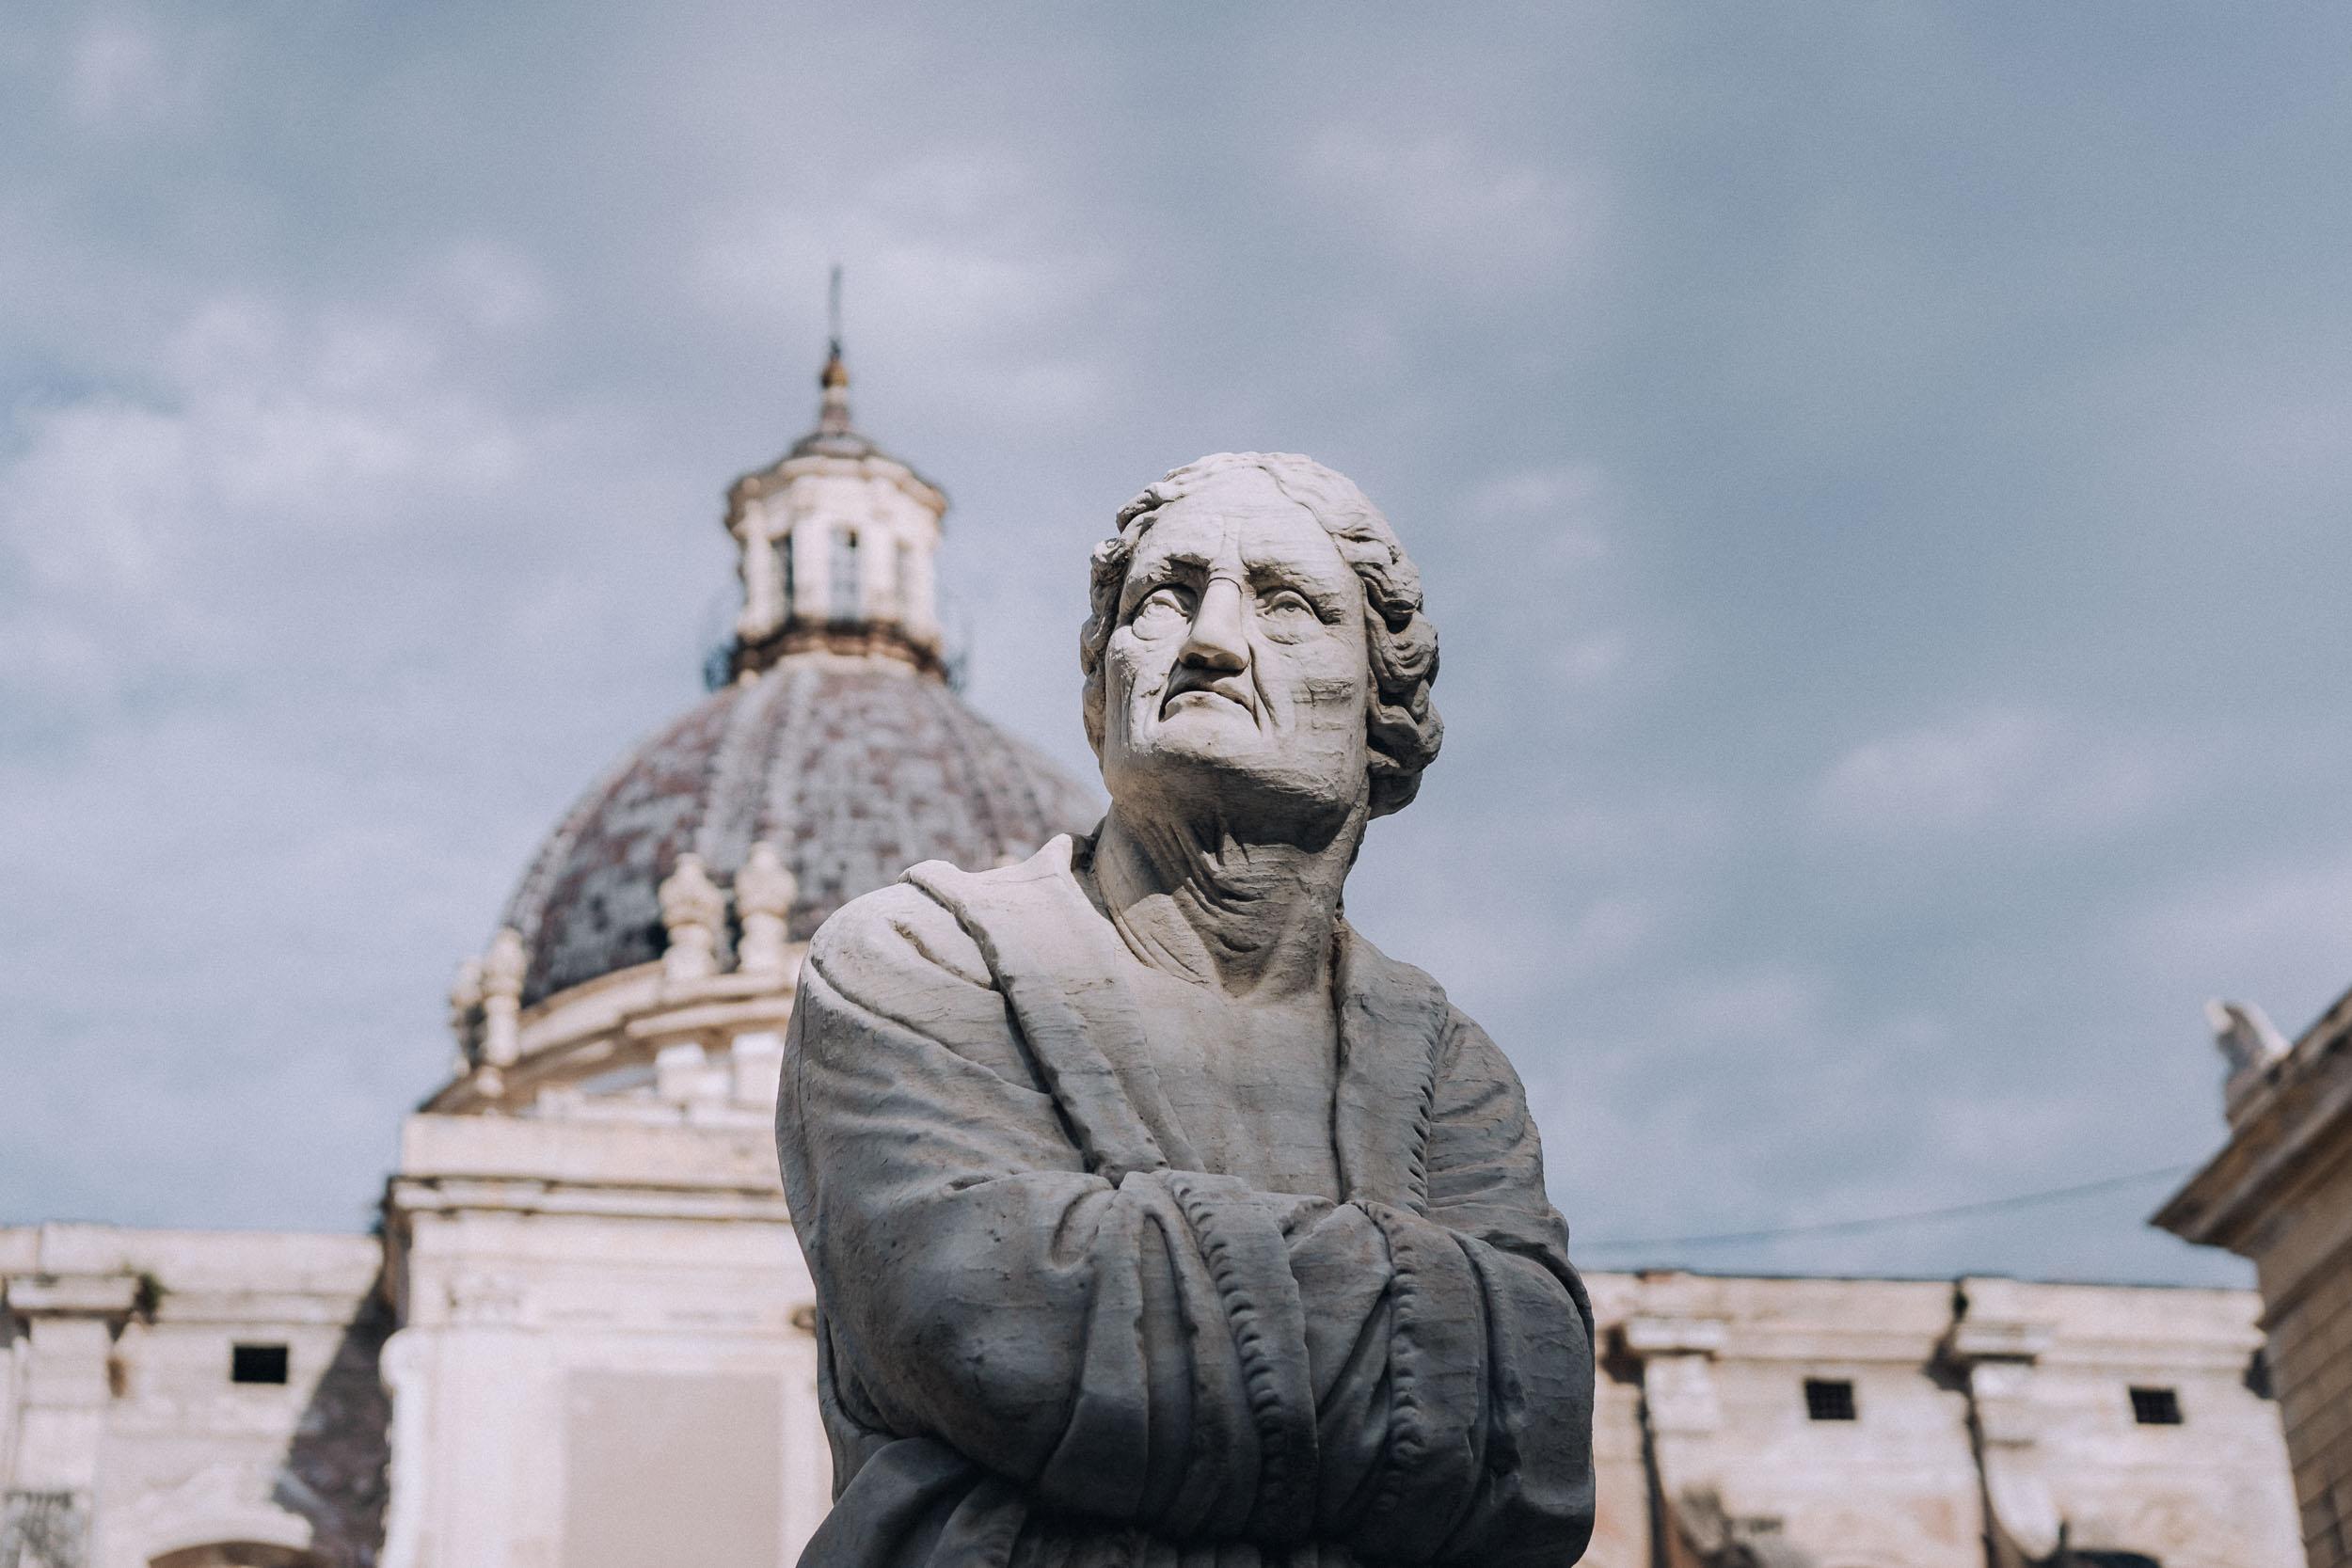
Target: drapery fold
[(1050, 1342)]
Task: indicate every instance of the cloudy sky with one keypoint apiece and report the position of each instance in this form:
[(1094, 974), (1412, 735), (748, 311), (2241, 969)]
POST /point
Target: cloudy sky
[(1880, 472)]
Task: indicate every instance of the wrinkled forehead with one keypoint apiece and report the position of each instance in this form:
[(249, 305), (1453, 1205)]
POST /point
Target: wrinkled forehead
[(1240, 519)]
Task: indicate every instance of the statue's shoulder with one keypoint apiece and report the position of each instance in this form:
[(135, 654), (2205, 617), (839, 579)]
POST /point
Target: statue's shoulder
[(893, 942), (1046, 876), (1407, 990), (918, 929), (1012, 907), (1400, 986)]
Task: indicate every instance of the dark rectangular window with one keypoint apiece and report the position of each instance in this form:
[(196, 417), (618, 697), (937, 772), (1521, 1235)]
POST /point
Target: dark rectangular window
[(1828, 1399), (257, 1363), (2156, 1407), (849, 590)]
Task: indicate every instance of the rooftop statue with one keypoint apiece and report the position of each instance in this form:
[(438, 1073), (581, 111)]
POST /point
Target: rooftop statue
[(1158, 1219)]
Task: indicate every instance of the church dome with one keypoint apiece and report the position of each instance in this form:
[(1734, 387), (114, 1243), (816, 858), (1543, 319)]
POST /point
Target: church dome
[(853, 767), (836, 756)]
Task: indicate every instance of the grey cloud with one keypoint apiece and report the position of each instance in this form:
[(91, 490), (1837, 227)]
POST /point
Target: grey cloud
[(1755, 388), (1995, 774)]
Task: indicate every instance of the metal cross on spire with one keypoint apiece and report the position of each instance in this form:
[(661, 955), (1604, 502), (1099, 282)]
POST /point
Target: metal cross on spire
[(832, 313)]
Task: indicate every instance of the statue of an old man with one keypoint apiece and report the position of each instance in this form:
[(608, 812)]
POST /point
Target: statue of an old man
[(1156, 1217)]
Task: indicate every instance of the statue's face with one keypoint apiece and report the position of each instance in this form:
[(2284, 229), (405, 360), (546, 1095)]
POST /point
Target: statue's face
[(1238, 663)]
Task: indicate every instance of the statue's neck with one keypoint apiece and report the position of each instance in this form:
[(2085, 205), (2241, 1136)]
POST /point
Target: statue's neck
[(1251, 917)]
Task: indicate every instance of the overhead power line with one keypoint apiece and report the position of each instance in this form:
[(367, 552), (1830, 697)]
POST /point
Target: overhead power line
[(1876, 1222)]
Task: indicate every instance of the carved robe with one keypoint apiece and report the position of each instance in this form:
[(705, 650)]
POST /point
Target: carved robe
[(1049, 1338)]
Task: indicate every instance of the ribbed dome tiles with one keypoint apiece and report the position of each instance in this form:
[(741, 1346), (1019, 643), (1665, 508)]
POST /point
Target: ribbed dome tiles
[(854, 768)]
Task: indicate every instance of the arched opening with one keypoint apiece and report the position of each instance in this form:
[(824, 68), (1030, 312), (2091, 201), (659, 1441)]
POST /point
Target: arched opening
[(238, 1554)]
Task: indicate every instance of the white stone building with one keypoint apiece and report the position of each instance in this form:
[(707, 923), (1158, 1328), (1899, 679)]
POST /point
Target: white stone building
[(585, 1337)]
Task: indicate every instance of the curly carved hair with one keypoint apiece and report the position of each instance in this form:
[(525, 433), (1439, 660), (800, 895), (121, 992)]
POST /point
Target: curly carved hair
[(1400, 721)]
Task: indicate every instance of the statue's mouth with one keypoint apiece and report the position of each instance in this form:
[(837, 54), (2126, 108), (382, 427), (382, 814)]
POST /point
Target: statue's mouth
[(1206, 689)]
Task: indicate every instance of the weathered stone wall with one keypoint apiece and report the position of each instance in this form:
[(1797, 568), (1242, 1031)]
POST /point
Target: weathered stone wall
[(571, 1296), (129, 1435), (2311, 1337), (1951, 1420)]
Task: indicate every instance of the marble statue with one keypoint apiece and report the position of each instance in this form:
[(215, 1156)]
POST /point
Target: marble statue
[(1156, 1217)]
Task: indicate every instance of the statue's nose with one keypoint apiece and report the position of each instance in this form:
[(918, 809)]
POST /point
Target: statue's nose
[(1218, 639)]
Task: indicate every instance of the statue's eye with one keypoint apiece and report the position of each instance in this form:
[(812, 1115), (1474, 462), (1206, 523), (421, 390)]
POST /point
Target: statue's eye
[(1286, 601), (1166, 608)]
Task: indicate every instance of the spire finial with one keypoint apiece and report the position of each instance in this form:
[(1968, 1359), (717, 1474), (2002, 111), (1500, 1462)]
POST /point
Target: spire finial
[(833, 311), (833, 416)]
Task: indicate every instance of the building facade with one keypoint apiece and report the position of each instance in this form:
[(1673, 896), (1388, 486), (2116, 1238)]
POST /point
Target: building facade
[(584, 1337), (2279, 1192), (602, 1351)]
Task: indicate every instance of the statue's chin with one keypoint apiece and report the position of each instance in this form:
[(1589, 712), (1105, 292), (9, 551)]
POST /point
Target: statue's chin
[(1224, 773)]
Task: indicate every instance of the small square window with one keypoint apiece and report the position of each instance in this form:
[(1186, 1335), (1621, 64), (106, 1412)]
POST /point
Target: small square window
[(2156, 1407), (257, 1363), (1828, 1399)]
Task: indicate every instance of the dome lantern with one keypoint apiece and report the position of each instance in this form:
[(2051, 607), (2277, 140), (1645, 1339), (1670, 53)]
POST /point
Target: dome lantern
[(837, 540)]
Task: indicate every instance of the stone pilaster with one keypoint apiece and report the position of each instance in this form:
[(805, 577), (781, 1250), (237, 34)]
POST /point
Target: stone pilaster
[(1997, 1356), (70, 1323)]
